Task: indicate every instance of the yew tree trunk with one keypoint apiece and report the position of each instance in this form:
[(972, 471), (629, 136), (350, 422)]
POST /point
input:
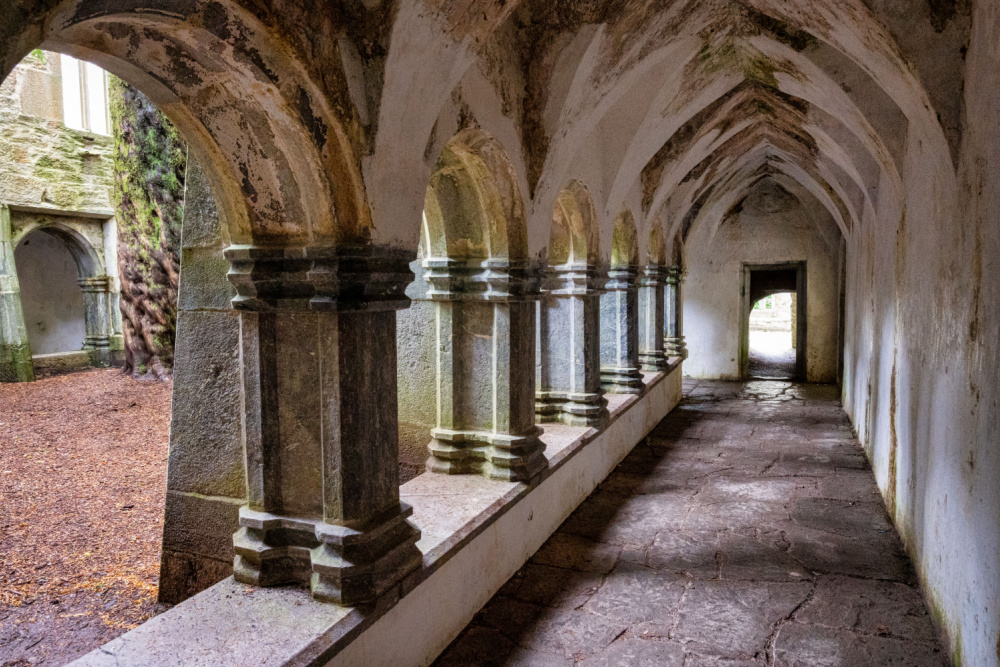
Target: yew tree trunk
[(149, 164)]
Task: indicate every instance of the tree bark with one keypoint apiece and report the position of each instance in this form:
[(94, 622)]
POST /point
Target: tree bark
[(149, 164)]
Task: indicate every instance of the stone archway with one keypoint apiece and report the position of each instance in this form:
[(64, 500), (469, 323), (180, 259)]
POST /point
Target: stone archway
[(66, 297)]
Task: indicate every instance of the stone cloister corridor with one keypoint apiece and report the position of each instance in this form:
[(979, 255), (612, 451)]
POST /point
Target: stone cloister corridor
[(443, 267), (746, 529)]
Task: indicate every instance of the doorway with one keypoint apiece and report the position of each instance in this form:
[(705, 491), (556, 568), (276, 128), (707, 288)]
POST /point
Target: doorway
[(773, 322)]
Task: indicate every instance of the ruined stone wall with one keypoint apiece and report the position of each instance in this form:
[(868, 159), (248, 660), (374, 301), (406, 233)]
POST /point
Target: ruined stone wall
[(922, 358), (772, 227), (45, 163), (57, 179)]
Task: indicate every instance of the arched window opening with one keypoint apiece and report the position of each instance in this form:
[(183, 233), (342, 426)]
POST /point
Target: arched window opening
[(465, 358), (568, 384), (84, 453)]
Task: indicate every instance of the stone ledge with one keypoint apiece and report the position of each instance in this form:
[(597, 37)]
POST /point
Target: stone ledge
[(61, 361), (476, 533)]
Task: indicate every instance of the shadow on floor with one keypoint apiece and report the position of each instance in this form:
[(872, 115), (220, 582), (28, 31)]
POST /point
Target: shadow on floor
[(746, 529)]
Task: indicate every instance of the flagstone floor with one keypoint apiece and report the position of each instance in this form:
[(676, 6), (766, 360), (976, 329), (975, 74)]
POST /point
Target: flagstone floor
[(746, 530)]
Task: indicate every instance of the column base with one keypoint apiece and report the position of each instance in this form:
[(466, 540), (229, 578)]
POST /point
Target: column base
[(346, 565), (571, 408), (511, 458), (654, 361), (16, 365), (100, 356), (618, 380), (675, 347)]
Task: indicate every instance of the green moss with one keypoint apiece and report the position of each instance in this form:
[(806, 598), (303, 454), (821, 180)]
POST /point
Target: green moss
[(150, 162)]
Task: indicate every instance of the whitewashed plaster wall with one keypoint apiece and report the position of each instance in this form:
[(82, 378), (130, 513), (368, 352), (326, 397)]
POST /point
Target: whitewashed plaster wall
[(771, 227), (922, 355), (52, 300)]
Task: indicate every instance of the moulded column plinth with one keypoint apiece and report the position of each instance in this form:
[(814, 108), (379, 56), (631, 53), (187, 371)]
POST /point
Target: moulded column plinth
[(347, 565), (620, 372), (318, 350), (568, 384), (485, 319), (652, 356), (496, 455)]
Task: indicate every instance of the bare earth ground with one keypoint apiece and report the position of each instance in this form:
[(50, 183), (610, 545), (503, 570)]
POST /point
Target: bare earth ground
[(82, 477)]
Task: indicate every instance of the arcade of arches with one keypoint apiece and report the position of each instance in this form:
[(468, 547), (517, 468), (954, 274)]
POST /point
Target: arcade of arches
[(457, 233)]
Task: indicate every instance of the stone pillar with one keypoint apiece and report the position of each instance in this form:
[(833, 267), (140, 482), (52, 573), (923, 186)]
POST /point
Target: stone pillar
[(318, 352), (651, 353), (97, 319), (673, 335), (569, 348), (15, 352), (620, 333), (485, 320), (114, 291), (206, 471)]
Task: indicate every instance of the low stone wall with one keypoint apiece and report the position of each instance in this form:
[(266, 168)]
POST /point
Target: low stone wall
[(462, 520)]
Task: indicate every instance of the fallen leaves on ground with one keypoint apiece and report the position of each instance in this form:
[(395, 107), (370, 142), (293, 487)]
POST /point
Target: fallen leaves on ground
[(82, 484)]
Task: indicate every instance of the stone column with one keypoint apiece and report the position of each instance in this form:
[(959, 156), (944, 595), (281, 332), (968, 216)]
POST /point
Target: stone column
[(673, 335), (651, 283), (114, 291), (620, 333), (15, 353), (569, 348), (318, 352), (97, 319), (485, 319)]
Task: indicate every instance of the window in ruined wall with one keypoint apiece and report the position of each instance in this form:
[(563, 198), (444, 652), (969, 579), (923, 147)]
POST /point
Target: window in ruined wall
[(85, 96)]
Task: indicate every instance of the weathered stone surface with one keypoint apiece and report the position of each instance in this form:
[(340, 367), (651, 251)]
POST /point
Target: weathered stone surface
[(46, 164), (206, 446), (693, 562), (735, 619), (638, 653), (798, 645), (572, 552), (880, 608), (637, 594)]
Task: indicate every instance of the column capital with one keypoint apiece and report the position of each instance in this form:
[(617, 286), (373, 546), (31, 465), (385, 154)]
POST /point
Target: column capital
[(318, 279), (622, 278), (479, 280), (573, 279), (653, 275)]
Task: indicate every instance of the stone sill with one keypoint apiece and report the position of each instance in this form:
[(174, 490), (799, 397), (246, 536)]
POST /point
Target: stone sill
[(61, 361), (459, 516)]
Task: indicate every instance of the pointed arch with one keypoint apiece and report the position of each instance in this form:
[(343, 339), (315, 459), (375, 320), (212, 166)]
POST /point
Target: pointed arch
[(657, 245), (473, 207), (574, 235), (625, 241)]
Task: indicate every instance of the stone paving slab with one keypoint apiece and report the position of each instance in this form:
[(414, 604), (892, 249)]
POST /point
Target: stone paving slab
[(745, 530)]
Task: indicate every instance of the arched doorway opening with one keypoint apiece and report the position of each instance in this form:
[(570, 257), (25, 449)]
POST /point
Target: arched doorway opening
[(66, 295), (50, 294)]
